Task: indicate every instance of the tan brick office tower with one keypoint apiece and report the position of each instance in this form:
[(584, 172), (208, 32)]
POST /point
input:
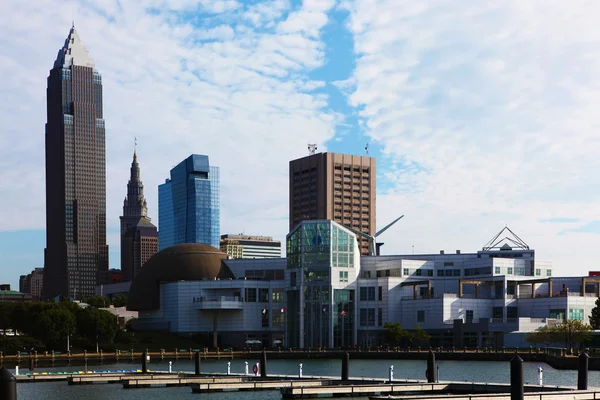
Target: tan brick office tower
[(339, 187)]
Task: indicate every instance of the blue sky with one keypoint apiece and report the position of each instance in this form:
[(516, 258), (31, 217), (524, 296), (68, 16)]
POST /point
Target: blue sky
[(480, 115)]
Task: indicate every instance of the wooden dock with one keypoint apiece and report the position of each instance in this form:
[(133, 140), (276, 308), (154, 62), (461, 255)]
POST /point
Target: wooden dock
[(255, 385), (559, 395), (424, 390), (166, 381)]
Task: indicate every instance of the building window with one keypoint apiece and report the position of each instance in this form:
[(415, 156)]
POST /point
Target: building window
[(380, 317), (420, 316), (380, 293), (548, 272), (367, 317), (512, 312), (456, 272), (277, 295), (497, 313), (429, 272), (520, 271), (557, 314), (509, 271), (497, 270), (278, 319), (405, 271), (292, 279), (263, 295), (265, 318), (367, 293), (576, 314), (538, 272), (449, 272), (250, 295), (343, 276), (469, 315), (440, 272), (418, 272)]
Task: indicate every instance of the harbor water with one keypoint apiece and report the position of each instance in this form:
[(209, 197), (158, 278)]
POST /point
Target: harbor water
[(471, 371)]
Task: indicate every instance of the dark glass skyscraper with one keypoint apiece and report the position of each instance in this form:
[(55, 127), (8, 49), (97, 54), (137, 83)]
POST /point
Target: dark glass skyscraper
[(76, 255), (189, 208)]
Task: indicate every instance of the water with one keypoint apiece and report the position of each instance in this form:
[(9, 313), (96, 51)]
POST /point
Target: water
[(472, 371)]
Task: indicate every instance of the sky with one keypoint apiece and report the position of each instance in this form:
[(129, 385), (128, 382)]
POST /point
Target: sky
[(480, 114)]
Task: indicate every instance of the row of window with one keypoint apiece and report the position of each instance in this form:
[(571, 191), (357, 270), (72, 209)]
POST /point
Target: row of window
[(261, 295), (367, 317)]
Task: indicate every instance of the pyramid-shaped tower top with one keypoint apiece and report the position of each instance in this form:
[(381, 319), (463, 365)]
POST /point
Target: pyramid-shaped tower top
[(73, 52), (509, 242)]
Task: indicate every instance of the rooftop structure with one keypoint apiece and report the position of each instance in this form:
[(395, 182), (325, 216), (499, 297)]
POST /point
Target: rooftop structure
[(247, 246)]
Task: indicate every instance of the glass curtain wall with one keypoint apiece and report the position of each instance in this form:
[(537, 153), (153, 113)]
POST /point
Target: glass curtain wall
[(343, 318), (314, 307)]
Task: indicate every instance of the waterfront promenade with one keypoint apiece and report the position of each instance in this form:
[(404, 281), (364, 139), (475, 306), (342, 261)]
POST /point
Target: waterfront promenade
[(555, 357)]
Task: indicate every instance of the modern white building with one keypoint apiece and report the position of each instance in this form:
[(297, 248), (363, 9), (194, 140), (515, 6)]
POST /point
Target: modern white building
[(324, 294)]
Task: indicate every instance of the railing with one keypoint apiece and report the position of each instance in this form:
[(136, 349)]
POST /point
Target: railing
[(218, 298)]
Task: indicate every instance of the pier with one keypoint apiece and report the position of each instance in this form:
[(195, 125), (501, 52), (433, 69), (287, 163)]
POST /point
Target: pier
[(301, 387)]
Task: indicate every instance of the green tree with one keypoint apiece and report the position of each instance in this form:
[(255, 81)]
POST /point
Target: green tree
[(543, 335), (574, 332), (595, 317), (419, 335), (56, 324), (570, 332), (394, 334), (96, 301), (96, 326), (119, 301)]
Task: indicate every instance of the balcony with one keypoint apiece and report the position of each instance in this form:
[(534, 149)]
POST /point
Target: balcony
[(219, 303)]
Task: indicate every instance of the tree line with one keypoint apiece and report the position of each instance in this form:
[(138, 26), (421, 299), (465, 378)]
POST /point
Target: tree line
[(50, 326)]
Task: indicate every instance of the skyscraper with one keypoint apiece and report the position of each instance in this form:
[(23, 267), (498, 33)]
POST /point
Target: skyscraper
[(189, 208), (139, 237), (338, 187), (76, 254)]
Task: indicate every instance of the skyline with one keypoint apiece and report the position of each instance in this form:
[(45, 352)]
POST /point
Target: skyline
[(476, 118)]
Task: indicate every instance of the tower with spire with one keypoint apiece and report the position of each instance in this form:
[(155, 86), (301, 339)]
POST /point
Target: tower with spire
[(139, 237), (76, 254)]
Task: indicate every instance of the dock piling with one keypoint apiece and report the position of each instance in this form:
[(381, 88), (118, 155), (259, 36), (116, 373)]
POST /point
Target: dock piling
[(582, 371), (263, 364), (431, 368), (246, 367), (540, 376), (516, 378), (345, 366), (8, 385), (228, 368), (391, 373), (196, 363), (300, 370), (145, 362)]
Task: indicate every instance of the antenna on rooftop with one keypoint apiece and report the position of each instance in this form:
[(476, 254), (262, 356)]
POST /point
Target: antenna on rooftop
[(367, 149), (312, 148)]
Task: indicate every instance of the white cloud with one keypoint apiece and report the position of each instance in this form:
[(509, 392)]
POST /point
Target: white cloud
[(245, 100), (497, 103)]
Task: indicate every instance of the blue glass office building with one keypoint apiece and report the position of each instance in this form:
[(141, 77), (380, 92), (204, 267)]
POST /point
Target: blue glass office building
[(189, 204)]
